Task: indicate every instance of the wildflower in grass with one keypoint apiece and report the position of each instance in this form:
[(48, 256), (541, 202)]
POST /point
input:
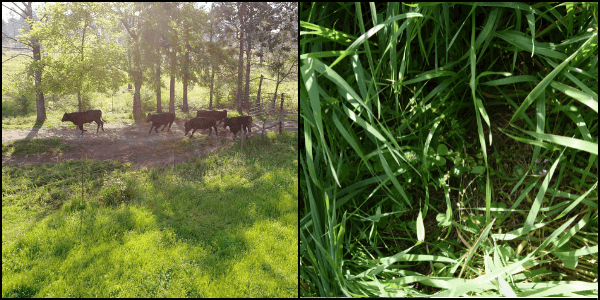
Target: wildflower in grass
[(542, 172), (411, 156)]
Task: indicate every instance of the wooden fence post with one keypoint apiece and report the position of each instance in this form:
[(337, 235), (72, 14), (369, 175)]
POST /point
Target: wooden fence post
[(280, 119)]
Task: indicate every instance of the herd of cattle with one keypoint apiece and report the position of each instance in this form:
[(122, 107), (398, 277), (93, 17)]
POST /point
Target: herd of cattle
[(204, 120)]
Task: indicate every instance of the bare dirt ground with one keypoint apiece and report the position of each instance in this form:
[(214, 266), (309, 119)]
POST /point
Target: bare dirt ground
[(126, 143)]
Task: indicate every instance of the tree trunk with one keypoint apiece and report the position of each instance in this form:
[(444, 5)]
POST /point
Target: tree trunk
[(259, 87), (40, 103), (79, 101), (138, 115), (212, 82), (247, 87), (261, 54), (212, 69), (158, 90), (172, 84), (185, 79), (240, 58)]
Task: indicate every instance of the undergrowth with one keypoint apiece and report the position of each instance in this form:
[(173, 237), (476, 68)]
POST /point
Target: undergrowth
[(449, 149)]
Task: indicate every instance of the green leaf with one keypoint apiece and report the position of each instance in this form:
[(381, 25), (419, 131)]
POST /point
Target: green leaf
[(577, 95), (442, 149), (326, 54), (331, 34), (520, 41), (443, 220), (531, 21), (440, 161), (457, 171), (510, 80), (578, 144), (420, 228), (478, 170)]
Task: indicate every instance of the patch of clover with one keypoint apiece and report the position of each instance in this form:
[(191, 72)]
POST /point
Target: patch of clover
[(519, 170), (537, 168)]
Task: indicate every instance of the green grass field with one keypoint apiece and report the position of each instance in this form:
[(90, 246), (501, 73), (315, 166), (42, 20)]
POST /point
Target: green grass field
[(221, 226), (449, 149)]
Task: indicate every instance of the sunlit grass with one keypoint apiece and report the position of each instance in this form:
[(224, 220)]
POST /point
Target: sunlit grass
[(221, 226)]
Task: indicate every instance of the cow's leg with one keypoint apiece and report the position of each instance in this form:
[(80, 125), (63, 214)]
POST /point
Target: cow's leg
[(81, 128), (149, 132)]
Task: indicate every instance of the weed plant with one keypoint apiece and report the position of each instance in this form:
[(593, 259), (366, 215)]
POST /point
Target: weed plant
[(449, 149)]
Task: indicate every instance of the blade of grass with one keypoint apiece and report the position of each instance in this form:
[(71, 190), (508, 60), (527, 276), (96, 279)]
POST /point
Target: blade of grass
[(578, 144), (531, 22), (546, 81), (326, 54), (478, 242), (392, 177), (340, 82), (361, 39), (537, 203), (510, 80), (331, 34), (540, 116), (516, 39), (487, 31), (576, 202), (473, 284), (584, 98)]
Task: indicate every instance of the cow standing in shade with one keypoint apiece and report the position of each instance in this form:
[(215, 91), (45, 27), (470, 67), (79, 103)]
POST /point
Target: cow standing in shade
[(80, 118), (162, 119), (238, 123), (201, 123), (219, 115)]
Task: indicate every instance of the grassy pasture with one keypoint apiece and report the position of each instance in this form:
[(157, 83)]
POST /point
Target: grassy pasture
[(224, 225)]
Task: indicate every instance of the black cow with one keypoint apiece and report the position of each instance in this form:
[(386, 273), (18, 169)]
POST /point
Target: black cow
[(201, 123), (80, 118), (158, 120), (220, 115), (237, 123)]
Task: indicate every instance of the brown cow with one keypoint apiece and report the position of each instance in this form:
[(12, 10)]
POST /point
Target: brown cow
[(162, 119), (201, 123), (80, 118), (237, 123), (220, 115)]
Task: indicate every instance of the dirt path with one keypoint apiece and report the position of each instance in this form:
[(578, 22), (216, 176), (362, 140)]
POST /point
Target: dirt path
[(126, 143)]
